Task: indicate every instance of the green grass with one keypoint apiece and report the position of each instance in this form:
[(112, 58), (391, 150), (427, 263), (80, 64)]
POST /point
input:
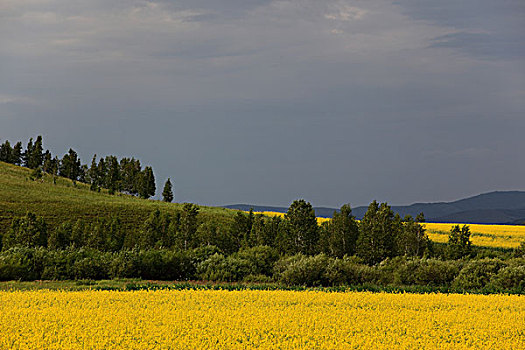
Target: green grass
[(65, 201)]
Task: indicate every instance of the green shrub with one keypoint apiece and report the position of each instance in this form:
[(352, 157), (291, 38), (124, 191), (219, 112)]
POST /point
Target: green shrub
[(303, 270), (224, 269), (476, 274), (433, 272), (509, 278), (345, 271)]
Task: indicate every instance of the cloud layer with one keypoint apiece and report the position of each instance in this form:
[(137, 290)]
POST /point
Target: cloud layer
[(266, 101)]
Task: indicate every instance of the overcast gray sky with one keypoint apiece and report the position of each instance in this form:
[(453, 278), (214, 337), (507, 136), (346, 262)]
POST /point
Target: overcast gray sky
[(263, 102)]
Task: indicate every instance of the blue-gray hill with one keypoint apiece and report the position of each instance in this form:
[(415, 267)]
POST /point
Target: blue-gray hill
[(499, 207)]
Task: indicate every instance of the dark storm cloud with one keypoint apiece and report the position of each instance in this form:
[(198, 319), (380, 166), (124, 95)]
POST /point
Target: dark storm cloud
[(267, 101)]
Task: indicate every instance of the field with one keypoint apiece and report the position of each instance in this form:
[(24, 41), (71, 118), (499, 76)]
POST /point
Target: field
[(492, 236), (192, 319)]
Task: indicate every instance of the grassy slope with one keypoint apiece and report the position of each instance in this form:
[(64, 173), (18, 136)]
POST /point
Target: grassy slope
[(66, 202)]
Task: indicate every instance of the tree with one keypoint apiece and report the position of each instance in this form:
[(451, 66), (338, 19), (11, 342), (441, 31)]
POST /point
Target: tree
[(60, 237), (339, 235), (147, 183), (26, 156), (377, 233), (130, 170), (188, 225), (240, 229), (35, 155), (6, 152), (113, 174), (167, 192), (70, 165), (28, 231), (459, 244), (17, 154), (413, 240), (93, 175), (303, 228)]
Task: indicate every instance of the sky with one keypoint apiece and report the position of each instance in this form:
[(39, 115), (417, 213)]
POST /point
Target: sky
[(266, 101)]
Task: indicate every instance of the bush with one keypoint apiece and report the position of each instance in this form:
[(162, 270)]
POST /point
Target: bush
[(261, 259), (94, 265), (509, 278), (224, 269), (433, 272), (21, 263), (178, 265), (345, 271), (303, 270), (477, 273), (125, 264)]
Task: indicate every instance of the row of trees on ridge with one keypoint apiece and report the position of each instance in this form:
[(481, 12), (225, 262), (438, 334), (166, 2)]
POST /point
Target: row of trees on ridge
[(124, 175)]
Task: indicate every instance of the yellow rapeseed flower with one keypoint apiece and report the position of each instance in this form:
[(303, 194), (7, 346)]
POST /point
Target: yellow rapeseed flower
[(202, 319)]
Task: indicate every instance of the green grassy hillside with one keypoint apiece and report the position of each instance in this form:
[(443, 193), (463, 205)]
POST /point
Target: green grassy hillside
[(65, 201)]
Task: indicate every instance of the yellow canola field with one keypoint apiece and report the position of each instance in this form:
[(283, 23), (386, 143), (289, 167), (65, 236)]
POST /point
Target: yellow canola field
[(202, 319), (496, 236)]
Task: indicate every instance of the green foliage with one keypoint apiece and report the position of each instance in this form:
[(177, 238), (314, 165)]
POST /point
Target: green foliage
[(146, 183), (378, 231), (70, 166), (459, 244), (60, 238), (412, 239), (339, 236), (188, 226), (167, 192), (346, 271), (303, 270), (27, 231), (241, 229), (511, 277), (35, 155), (36, 174), (256, 261), (302, 227), (477, 273), (6, 152)]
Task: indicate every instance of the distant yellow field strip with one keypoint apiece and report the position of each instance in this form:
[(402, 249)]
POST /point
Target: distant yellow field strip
[(259, 319), (496, 236), (500, 236)]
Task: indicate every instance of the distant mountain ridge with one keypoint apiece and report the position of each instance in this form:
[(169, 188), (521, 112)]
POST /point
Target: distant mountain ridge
[(499, 207)]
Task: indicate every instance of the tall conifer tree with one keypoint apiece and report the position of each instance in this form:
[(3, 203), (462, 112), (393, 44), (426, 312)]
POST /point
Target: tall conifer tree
[(167, 192)]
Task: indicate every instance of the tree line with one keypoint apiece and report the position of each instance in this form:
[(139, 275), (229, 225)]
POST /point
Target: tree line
[(381, 234), (125, 175)]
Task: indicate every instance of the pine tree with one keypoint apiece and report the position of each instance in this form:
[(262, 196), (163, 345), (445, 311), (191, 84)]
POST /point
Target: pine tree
[(113, 174), (36, 156), (16, 156), (26, 155), (150, 181), (70, 165), (92, 173), (167, 192), (6, 152), (147, 183)]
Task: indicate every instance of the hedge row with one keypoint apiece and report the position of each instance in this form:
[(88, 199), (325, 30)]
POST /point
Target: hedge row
[(263, 264)]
